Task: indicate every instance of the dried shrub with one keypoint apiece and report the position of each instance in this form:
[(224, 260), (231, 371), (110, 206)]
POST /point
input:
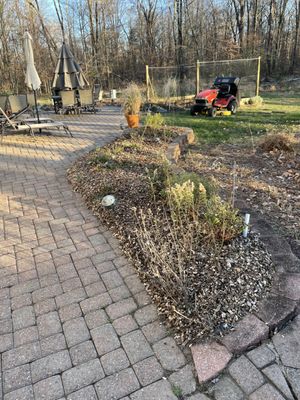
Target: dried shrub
[(169, 238), (190, 230), (209, 184), (216, 220), (182, 199), (256, 101), (276, 142)]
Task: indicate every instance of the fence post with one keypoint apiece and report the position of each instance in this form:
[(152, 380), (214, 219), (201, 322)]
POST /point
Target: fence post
[(147, 83), (197, 77), (258, 77)]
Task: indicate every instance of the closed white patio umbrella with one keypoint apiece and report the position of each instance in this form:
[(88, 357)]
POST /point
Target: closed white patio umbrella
[(32, 78)]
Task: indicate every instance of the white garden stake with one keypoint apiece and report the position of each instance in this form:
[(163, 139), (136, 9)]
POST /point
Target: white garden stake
[(246, 225)]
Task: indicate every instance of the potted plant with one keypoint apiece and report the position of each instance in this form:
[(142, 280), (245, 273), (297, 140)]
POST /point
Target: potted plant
[(132, 100)]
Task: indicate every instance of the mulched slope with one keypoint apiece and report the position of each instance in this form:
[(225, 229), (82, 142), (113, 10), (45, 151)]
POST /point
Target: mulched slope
[(223, 285)]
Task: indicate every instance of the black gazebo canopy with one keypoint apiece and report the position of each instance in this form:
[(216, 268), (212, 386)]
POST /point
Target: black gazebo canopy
[(68, 74)]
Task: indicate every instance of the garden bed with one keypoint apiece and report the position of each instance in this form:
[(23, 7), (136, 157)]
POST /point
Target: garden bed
[(184, 240), (267, 177)]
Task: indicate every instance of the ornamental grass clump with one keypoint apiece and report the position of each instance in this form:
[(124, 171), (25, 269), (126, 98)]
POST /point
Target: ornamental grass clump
[(132, 100)]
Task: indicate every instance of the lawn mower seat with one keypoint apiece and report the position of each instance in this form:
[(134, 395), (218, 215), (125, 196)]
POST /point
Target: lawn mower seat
[(224, 91)]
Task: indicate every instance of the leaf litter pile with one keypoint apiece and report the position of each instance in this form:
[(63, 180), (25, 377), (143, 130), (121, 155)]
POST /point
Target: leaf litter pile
[(200, 289)]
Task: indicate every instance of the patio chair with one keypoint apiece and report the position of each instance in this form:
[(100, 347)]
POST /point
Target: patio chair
[(31, 125), (68, 102), (30, 99), (3, 102), (31, 102), (98, 93), (86, 100), (18, 105)]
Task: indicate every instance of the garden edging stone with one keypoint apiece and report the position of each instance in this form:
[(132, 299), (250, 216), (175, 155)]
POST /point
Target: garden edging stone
[(178, 145), (274, 311)]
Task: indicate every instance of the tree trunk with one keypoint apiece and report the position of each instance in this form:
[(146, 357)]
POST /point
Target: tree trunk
[(296, 36)]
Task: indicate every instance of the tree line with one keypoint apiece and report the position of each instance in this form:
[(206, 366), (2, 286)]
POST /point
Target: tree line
[(113, 40)]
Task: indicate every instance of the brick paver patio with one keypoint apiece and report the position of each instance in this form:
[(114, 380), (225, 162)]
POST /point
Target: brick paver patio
[(75, 321)]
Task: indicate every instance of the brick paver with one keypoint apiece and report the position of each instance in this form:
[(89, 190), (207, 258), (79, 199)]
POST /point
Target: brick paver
[(75, 320)]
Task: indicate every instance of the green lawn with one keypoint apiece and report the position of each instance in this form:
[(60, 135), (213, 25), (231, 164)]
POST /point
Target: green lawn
[(279, 113)]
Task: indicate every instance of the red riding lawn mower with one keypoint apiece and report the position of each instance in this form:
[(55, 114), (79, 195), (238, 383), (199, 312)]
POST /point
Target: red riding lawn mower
[(222, 98)]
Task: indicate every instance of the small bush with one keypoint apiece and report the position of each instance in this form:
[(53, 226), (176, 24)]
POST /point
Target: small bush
[(276, 142), (157, 178), (131, 145), (154, 121), (256, 101), (216, 219), (99, 158), (223, 221)]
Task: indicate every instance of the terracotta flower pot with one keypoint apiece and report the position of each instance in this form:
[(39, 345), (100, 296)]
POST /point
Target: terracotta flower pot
[(133, 121)]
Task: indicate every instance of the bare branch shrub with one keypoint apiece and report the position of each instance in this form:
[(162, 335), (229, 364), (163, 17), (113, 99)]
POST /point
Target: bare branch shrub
[(170, 239)]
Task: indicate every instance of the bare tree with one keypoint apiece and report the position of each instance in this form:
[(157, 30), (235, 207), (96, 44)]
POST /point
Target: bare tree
[(114, 39), (240, 9), (295, 51)]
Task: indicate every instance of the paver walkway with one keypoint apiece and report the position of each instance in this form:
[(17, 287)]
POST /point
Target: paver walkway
[(75, 321)]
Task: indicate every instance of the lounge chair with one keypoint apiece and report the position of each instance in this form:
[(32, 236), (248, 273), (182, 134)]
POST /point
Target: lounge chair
[(86, 100), (30, 99), (18, 105), (3, 102), (31, 103), (69, 102), (31, 125)]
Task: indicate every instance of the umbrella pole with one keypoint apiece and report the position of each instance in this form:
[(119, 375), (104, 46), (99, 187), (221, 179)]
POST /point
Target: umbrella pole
[(36, 107)]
